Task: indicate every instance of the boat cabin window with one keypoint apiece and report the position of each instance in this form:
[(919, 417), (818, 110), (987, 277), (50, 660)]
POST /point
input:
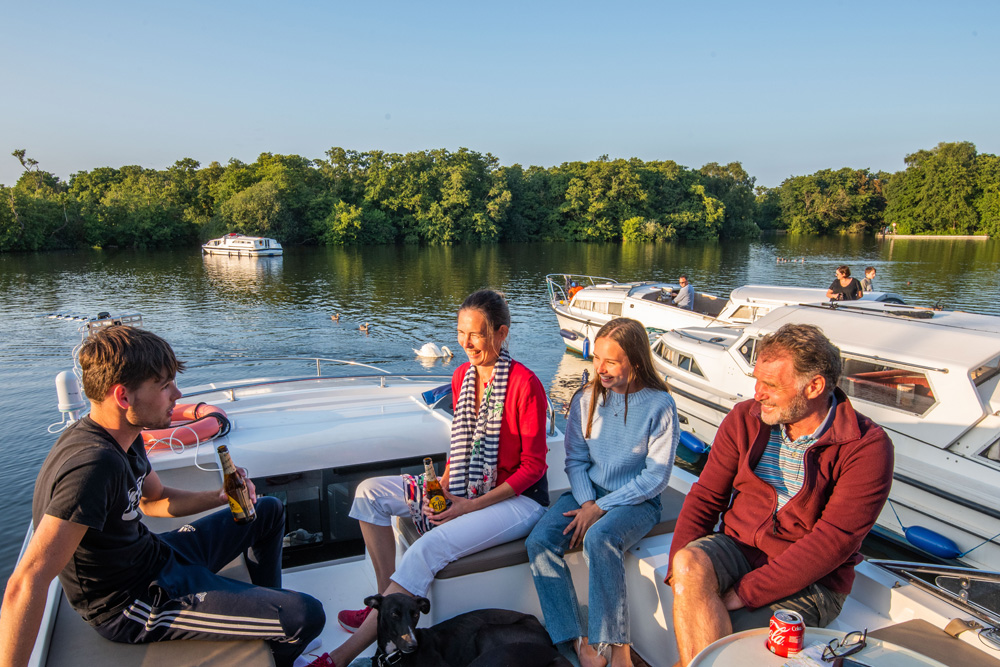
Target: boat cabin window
[(614, 308), (317, 502), (992, 452), (675, 358), (748, 350), (883, 383), (987, 371)]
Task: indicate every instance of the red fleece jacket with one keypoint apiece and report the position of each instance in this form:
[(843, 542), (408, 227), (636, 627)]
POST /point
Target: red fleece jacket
[(815, 537)]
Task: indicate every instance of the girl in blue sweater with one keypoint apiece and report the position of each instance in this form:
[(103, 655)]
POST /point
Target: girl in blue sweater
[(620, 441)]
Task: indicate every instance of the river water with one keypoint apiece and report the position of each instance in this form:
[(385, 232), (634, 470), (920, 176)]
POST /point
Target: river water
[(213, 308)]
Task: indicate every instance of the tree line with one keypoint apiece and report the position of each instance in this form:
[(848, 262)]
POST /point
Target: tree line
[(444, 197)]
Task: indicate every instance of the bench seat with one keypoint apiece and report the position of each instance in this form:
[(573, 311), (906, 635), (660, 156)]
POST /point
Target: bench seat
[(515, 553)]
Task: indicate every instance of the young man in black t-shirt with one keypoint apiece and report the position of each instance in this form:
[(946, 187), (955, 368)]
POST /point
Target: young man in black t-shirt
[(132, 585)]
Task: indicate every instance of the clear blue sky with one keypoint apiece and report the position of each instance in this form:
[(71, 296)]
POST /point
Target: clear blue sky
[(785, 88)]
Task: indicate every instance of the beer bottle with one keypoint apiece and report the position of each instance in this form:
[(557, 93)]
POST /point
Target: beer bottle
[(432, 487), (236, 489)]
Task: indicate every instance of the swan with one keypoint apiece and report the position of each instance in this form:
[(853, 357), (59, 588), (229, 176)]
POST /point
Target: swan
[(432, 350)]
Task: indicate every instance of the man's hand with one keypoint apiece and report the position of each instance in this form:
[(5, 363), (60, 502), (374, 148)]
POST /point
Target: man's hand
[(732, 600), (583, 519), (251, 489)]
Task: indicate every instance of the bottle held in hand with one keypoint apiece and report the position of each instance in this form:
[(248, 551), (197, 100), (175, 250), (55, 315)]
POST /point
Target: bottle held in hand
[(236, 489), (432, 488)]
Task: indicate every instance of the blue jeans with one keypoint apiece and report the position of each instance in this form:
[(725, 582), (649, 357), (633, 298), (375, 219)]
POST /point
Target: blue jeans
[(604, 548)]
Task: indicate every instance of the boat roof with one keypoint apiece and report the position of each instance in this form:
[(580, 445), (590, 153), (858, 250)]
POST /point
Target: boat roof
[(783, 294), (939, 338)]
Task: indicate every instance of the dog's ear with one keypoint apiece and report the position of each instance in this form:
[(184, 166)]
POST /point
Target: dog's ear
[(424, 605), (373, 601)]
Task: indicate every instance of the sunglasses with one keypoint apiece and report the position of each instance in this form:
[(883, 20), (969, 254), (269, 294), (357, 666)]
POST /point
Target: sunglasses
[(838, 649)]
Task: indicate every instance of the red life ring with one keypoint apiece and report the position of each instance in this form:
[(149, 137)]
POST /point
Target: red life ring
[(187, 427)]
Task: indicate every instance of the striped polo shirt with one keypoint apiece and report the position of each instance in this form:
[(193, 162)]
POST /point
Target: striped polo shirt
[(783, 461)]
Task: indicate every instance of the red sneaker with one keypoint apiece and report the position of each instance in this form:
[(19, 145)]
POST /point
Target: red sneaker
[(323, 661), (352, 620)]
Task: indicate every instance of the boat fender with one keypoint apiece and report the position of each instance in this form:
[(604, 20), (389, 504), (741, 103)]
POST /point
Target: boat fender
[(586, 348), (932, 542), (432, 396), (567, 334), (694, 443)]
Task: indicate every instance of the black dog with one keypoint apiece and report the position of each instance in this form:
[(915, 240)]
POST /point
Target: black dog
[(482, 638)]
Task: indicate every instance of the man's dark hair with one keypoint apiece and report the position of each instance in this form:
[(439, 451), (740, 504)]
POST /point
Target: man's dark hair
[(127, 356), (811, 352)]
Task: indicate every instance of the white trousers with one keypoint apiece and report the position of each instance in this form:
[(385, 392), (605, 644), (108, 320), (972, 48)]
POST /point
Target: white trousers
[(379, 499)]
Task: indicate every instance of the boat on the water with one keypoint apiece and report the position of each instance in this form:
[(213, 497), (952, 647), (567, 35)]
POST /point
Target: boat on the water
[(238, 245), (309, 438), (930, 378), (594, 301)]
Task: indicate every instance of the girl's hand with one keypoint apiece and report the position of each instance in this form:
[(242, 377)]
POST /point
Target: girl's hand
[(458, 507), (583, 519)]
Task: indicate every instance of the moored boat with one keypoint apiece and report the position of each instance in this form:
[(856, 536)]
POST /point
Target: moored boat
[(238, 245), (929, 378), (594, 301)]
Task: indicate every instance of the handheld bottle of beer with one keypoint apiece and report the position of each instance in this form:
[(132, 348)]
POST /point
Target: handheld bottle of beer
[(432, 487), (236, 489)]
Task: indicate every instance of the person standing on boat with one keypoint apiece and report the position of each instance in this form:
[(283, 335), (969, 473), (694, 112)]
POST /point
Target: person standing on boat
[(685, 295), (798, 478), (621, 437), (494, 481), (132, 585), (868, 282), (844, 287)]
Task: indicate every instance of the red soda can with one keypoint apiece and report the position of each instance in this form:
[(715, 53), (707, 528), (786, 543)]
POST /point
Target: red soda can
[(787, 633)]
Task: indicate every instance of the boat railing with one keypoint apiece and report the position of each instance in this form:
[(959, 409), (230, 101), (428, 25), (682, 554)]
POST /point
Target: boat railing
[(382, 376), (558, 283), (232, 387)]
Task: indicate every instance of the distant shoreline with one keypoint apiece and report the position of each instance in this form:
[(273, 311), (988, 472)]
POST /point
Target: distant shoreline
[(968, 237)]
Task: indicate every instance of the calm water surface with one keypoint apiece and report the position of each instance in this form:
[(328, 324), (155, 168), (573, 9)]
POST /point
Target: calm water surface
[(215, 308)]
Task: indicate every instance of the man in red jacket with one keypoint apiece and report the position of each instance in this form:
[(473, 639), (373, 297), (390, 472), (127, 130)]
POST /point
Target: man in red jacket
[(798, 479)]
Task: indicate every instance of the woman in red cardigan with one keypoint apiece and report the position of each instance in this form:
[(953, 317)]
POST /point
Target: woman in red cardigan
[(494, 482)]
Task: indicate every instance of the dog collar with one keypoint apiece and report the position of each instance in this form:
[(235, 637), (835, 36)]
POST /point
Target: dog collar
[(390, 658)]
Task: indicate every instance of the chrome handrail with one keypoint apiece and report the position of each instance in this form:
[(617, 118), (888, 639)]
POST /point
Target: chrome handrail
[(318, 360)]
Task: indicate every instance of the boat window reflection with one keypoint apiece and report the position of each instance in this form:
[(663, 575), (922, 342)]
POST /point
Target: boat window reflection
[(886, 384)]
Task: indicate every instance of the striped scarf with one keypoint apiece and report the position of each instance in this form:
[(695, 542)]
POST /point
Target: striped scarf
[(475, 438)]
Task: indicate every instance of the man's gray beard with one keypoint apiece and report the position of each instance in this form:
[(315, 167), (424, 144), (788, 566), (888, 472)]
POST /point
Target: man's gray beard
[(798, 409)]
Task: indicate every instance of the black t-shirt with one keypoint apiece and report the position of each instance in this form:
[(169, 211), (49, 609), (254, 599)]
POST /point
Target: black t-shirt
[(89, 480), (850, 293)]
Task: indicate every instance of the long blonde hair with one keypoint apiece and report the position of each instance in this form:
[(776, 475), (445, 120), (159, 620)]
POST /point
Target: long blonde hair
[(634, 341)]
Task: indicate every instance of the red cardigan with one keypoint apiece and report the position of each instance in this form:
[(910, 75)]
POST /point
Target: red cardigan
[(815, 537), (521, 459)]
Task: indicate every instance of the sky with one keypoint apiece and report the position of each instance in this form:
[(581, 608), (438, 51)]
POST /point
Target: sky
[(784, 88)]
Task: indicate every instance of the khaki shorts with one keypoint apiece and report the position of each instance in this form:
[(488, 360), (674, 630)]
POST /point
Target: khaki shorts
[(817, 604)]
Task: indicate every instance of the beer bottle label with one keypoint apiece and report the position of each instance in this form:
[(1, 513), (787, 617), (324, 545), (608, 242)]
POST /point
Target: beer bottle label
[(436, 503), (236, 508)]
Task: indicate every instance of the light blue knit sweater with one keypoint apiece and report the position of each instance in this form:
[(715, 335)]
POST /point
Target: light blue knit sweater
[(632, 460)]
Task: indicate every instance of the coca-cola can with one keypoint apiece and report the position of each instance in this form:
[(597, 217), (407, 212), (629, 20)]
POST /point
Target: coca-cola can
[(787, 633)]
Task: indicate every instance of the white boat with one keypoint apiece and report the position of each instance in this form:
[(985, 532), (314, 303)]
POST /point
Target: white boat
[(238, 245), (600, 300), (309, 440), (930, 378)]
